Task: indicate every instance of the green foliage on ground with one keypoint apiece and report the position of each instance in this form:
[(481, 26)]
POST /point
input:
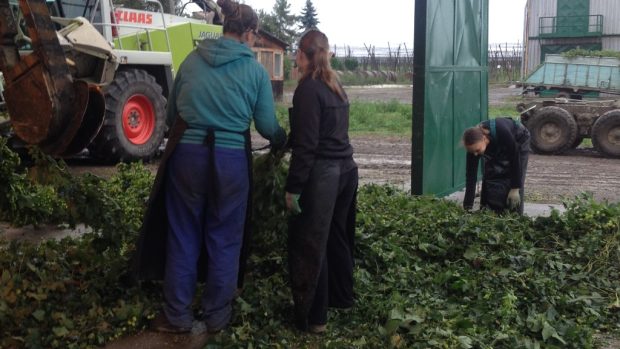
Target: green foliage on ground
[(67, 294), (428, 274)]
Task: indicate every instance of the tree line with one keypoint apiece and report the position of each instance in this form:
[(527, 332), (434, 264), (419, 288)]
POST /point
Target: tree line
[(285, 25)]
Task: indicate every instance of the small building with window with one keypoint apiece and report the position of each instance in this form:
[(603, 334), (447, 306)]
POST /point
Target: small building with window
[(556, 26), (270, 51)]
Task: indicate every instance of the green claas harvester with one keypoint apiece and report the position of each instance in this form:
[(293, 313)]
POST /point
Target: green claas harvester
[(92, 74)]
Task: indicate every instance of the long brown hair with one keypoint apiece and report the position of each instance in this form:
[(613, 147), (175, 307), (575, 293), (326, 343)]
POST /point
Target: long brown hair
[(473, 135), (238, 18), (315, 46)]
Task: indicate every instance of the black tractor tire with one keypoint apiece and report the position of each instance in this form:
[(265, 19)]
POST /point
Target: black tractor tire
[(135, 119), (553, 130), (606, 133)]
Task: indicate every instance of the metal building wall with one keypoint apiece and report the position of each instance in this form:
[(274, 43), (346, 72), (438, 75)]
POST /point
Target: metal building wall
[(611, 43), (535, 9), (610, 9), (533, 57)]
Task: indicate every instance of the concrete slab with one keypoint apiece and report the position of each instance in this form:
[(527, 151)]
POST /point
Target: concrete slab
[(530, 209)]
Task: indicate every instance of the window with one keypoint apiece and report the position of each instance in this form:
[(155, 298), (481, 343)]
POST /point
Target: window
[(277, 65), (82, 8), (266, 59)]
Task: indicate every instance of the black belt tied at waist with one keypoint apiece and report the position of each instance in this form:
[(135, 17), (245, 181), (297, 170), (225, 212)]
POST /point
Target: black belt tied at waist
[(212, 193), (209, 142), (212, 187)]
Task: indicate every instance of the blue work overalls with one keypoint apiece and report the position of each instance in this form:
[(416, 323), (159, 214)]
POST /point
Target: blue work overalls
[(206, 198)]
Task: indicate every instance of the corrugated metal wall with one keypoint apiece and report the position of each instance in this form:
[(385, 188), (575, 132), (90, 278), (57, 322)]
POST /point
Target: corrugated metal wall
[(611, 10), (533, 57), (611, 43), (535, 9)]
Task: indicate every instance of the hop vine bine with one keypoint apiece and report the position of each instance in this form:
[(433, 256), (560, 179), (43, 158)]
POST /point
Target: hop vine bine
[(428, 275)]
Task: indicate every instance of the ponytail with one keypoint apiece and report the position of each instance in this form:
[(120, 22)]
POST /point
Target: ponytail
[(315, 46), (238, 18)]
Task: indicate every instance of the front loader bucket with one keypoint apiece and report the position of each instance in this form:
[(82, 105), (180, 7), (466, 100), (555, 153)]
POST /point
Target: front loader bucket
[(91, 122), (46, 105)]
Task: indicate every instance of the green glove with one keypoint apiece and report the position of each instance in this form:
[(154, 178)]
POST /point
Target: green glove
[(292, 203), (514, 198)]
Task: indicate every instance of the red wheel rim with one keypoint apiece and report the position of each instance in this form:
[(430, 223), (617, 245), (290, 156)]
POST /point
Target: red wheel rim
[(138, 119)]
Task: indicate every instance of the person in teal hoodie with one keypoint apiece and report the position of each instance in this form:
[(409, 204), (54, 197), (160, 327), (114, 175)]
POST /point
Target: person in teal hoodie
[(218, 91)]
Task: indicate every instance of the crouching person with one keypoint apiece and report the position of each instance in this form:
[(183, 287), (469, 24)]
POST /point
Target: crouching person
[(504, 145)]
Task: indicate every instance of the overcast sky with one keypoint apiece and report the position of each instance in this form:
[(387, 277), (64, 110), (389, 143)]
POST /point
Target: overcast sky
[(355, 22)]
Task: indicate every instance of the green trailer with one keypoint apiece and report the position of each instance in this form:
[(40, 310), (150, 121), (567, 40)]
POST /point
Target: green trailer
[(574, 77)]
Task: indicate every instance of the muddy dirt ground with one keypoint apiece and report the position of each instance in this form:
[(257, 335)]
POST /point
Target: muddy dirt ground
[(549, 179), (387, 159)]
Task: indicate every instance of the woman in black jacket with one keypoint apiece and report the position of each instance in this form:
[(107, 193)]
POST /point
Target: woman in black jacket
[(321, 189), (504, 144)]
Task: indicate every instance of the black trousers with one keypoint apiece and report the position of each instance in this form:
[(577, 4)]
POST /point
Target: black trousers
[(524, 159), (495, 191), (321, 241), (523, 138)]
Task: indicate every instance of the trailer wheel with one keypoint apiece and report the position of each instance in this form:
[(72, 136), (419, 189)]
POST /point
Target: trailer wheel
[(553, 130), (135, 118), (606, 133)]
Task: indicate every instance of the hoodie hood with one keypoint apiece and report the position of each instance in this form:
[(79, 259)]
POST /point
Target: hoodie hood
[(223, 51)]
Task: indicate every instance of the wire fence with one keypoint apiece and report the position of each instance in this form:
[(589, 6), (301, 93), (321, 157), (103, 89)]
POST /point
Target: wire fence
[(504, 60), (397, 58)]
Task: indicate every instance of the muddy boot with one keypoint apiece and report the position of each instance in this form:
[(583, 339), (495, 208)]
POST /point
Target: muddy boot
[(161, 324)]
